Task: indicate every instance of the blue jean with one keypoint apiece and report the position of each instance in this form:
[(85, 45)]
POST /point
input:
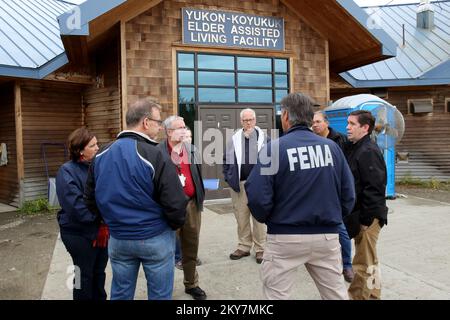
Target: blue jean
[(346, 247), (157, 257), (177, 249)]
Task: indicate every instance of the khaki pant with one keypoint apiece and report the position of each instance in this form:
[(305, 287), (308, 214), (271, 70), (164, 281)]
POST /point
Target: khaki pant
[(320, 253), (189, 239), (367, 281), (246, 237)]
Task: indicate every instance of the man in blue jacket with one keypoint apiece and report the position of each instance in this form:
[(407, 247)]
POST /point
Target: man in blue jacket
[(302, 204), (135, 187)]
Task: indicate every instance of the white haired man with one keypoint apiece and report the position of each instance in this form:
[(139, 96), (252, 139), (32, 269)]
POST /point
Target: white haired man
[(239, 159)]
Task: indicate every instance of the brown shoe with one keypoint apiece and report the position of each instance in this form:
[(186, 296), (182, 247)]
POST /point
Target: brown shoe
[(238, 254), (348, 275), (259, 257)]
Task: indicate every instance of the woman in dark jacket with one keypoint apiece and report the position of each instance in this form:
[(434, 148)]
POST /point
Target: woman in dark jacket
[(82, 232)]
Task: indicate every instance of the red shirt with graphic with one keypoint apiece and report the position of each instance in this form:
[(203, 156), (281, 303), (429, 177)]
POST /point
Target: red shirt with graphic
[(183, 167)]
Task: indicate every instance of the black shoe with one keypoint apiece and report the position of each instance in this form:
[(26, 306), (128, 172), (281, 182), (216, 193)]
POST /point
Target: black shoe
[(196, 293), (238, 254)]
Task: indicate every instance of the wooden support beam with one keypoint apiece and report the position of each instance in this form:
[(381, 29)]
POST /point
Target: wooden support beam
[(327, 65), (123, 73), (19, 141), (71, 77)]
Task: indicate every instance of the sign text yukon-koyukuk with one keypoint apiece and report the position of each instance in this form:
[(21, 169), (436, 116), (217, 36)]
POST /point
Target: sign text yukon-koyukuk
[(232, 29)]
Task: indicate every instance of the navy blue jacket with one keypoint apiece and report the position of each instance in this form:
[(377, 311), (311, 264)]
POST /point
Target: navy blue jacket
[(74, 216), (135, 187), (310, 191)]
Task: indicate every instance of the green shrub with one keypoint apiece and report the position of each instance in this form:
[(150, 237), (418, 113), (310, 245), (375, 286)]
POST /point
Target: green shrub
[(35, 207), (434, 184)]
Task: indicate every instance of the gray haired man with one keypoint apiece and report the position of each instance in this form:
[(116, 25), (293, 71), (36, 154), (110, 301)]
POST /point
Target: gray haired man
[(187, 164)]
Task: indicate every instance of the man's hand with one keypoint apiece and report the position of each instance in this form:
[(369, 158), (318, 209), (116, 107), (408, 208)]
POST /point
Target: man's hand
[(364, 228)]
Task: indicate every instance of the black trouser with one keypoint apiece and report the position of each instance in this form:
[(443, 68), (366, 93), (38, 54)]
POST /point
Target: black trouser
[(91, 263)]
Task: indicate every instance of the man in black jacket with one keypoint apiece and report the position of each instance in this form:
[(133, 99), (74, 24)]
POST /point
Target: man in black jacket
[(321, 126), (188, 166), (369, 171)]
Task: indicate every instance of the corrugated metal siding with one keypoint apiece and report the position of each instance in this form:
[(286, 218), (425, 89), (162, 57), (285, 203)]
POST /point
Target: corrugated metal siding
[(29, 32), (424, 49)]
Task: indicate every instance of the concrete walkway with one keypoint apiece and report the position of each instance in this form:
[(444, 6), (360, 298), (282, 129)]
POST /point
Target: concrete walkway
[(413, 250), (6, 208)]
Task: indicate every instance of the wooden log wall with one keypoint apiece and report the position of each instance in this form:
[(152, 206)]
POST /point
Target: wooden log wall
[(9, 186), (427, 136), (101, 103), (151, 36), (51, 111)]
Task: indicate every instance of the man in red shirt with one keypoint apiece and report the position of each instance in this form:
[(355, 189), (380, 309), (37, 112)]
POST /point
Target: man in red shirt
[(188, 167)]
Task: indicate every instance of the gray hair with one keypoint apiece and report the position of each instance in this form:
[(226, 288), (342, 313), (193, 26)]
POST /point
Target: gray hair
[(139, 110), (300, 108), (248, 110), (324, 115), (167, 124)]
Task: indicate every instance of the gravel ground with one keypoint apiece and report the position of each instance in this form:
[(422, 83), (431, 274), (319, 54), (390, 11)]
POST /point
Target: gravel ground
[(27, 243), (26, 248)]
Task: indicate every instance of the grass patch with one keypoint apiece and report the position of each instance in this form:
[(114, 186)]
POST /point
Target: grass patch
[(36, 207), (409, 181)]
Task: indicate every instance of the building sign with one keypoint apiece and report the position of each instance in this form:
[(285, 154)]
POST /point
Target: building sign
[(230, 29)]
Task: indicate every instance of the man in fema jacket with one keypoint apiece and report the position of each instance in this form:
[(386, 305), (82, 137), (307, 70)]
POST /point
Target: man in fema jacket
[(302, 203)]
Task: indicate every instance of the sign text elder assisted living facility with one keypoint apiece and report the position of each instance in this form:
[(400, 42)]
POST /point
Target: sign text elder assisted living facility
[(230, 29)]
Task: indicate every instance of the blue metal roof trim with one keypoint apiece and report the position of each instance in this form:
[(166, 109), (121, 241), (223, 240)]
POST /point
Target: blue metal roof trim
[(85, 12), (389, 46), (425, 60), (35, 73)]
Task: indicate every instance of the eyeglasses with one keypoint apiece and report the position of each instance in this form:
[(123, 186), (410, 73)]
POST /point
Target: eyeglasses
[(160, 122), (180, 128), (248, 120)]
